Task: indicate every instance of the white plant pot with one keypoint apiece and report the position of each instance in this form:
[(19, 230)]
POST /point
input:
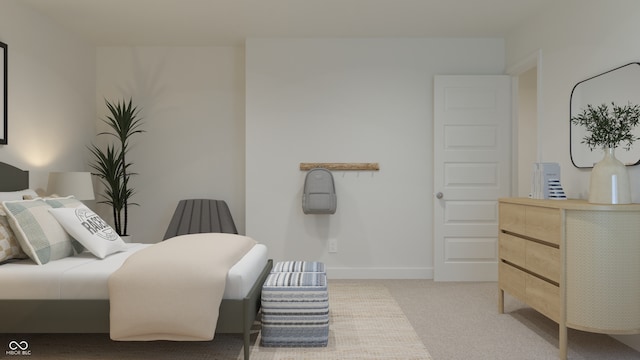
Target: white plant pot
[(609, 182)]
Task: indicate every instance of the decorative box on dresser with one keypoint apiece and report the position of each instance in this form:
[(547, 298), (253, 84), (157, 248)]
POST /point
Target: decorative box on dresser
[(576, 263)]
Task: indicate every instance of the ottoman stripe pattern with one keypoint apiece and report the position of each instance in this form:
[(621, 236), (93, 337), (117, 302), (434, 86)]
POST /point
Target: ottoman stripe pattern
[(295, 310), (298, 266), (296, 279)]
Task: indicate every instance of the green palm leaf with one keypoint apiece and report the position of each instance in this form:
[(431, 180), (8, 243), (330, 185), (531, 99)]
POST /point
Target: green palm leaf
[(111, 166)]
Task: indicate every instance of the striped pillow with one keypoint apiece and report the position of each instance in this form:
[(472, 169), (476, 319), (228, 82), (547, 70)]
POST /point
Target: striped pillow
[(41, 237), (9, 245), (64, 202)]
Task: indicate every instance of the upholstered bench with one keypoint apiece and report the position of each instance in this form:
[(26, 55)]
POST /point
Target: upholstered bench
[(295, 310)]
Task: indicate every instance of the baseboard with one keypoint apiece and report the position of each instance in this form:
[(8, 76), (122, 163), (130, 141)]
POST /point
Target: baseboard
[(379, 273)]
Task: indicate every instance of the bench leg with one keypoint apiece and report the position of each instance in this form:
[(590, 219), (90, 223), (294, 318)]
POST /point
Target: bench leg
[(247, 344)]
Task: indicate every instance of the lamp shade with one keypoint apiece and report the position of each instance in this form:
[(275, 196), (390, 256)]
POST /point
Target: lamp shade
[(78, 184)]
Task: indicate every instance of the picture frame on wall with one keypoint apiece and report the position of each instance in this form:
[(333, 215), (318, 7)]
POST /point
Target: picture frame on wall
[(3, 92)]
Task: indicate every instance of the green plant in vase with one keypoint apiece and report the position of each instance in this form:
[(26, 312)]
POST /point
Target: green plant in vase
[(111, 166), (609, 128)]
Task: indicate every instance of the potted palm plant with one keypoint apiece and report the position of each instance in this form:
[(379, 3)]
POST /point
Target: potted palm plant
[(110, 164), (609, 128)]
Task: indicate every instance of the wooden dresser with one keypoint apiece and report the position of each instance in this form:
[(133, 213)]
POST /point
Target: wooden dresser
[(576, 263)]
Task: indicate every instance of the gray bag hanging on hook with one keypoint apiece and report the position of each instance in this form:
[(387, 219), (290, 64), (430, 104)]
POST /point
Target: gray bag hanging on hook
[(319, 193)]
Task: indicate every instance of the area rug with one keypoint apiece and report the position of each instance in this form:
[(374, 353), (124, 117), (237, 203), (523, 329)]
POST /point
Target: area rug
[(365, 323)]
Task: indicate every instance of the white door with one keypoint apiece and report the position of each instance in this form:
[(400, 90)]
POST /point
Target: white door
[(472, 169)]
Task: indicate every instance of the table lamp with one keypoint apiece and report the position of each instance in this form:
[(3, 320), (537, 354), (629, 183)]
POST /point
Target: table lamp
[(78, 184)]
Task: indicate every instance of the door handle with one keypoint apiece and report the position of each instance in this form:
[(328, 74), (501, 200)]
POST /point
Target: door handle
[(439, 195)]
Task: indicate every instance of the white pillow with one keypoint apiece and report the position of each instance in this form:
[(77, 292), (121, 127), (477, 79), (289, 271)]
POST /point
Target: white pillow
[(40, 235), (90, 230), (17, 195)]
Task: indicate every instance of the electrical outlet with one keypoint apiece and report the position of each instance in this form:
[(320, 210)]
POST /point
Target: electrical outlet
[(333, 245)]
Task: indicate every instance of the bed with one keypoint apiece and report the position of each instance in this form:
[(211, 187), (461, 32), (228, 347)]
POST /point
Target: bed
[(70, 295)]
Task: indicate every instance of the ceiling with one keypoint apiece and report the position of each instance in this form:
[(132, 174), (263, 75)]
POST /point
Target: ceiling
[(224, 22)]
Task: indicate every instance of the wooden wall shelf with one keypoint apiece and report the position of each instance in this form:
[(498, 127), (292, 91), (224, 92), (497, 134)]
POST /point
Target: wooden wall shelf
[(341, 166)]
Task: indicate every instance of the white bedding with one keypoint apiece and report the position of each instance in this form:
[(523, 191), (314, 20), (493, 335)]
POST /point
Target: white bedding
[(84, 277)]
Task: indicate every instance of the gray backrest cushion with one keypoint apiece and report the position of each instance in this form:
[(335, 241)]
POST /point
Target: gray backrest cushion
[(194, 216)]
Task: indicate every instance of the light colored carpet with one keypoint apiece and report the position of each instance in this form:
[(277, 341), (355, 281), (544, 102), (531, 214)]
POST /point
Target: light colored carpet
[(366, 322), (460, 321)]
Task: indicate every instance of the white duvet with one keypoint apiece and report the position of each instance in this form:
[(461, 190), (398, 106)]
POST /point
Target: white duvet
[(84, 277)]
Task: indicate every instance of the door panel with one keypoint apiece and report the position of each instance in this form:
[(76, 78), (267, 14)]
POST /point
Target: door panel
[(472, 159), (470, 137), (466, 248), (471, 175), (471, 212)]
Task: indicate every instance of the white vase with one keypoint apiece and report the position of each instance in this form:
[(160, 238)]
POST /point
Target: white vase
[(609, 183)]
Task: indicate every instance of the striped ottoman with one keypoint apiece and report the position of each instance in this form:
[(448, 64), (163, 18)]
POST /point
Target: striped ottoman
[(295, 310), (298, 266)]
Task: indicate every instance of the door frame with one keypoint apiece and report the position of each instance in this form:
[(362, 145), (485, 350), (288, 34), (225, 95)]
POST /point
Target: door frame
[(533, 60)]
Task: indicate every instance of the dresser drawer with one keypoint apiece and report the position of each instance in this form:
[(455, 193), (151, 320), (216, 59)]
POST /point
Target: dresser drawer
[(543, 260), (512, 281), (512, 218), (543, 224), (533, 221), (512, 249), (543, 296)]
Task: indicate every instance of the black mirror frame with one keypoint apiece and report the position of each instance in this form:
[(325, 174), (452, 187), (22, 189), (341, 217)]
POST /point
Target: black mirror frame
[(571, 115)]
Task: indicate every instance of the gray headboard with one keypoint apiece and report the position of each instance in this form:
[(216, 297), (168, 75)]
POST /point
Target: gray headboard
[(12, 178)]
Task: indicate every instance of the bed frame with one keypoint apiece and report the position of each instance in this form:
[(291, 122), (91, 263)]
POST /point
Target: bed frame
[(92, 316)]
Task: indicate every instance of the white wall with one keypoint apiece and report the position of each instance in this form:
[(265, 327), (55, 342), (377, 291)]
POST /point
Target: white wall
[(350, 100), (578, 39), (192, 104), (51, 94)]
